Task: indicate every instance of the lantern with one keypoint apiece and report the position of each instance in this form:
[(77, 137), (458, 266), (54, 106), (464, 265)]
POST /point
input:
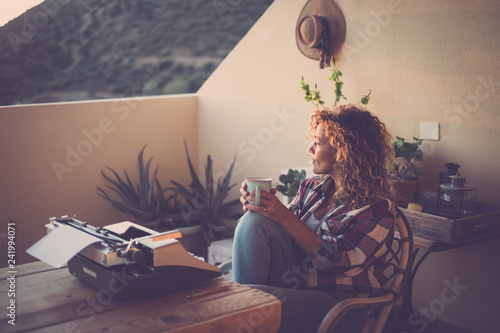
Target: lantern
[(456, 199)]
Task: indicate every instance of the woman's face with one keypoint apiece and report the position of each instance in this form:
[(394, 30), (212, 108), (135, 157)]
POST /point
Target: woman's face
[(323, 155)]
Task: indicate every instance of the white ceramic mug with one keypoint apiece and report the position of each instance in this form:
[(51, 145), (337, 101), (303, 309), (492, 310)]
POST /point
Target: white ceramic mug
[(258, 184)]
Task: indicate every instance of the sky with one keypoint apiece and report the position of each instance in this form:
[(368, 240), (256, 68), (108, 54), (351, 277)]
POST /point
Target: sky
[(11, 9)]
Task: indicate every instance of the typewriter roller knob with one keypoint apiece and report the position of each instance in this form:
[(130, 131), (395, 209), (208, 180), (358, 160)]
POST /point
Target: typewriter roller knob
[(135, 255)]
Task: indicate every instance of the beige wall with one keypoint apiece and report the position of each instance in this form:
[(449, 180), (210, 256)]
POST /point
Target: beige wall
[(427, 61), (431, 61), (111, 133)]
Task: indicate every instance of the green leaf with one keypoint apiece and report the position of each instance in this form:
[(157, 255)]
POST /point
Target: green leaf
[(145, 201), (195, 184), (182, 191), (365, 99), (209, 180), (143, 186), (127, 194)]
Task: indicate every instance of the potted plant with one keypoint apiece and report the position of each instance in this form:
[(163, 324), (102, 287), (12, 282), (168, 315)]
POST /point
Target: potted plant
[(204, 205), (405, 177), (145, 200), (406, 174), (314, 96), (290, 183)]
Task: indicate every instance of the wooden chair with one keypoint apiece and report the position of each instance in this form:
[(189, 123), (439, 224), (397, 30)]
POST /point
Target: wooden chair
[(398, 268)]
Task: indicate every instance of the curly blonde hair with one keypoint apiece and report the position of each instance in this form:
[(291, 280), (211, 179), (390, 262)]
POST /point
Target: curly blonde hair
[(364, 151)]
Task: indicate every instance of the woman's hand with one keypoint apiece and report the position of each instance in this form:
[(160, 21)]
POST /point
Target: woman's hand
[(246, 196), (270, 206)]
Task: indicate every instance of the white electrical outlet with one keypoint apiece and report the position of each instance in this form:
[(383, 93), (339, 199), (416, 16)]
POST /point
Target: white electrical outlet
[(429, 131)]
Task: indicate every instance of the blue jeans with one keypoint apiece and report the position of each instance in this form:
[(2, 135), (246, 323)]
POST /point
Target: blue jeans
[(266, 258)]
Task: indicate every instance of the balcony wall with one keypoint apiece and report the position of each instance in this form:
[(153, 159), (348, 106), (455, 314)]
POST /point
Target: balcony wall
[(433, 61), (426, 61), (52, 154)]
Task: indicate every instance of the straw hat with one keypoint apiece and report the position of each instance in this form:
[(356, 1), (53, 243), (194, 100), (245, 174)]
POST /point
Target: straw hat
[(320, 30)]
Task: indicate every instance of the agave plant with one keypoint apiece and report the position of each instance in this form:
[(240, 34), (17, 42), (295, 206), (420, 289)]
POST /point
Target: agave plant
[(204, 204), (145, 200)]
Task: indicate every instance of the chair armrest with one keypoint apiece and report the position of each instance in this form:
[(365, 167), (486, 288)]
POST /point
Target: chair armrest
[(341, 308)]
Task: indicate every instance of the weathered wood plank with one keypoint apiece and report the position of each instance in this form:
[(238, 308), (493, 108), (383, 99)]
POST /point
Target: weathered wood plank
[(34, 279), (56, 314), (429, 226), (447, 230), (55, 301), (227, 313), (25, 269), (46, 289), (436, 246)]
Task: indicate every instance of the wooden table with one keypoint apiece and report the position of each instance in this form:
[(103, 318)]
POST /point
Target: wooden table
[(424, 240), (52, 300)]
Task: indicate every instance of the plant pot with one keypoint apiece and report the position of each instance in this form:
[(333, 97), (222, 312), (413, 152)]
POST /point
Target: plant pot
[(406, 191)]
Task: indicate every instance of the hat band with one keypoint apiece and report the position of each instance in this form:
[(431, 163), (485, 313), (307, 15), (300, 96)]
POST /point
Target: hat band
[(314, 32), (324, 42)]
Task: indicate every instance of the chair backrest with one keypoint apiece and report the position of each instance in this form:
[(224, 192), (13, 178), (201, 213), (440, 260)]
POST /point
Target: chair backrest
[(397, 270), (398, 267), (400, 255)]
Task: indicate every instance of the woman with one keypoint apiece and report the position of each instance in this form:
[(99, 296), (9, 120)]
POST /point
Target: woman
[(330, 242)]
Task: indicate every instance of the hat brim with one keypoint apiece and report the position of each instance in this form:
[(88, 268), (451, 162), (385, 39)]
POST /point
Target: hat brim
[(330, 10)]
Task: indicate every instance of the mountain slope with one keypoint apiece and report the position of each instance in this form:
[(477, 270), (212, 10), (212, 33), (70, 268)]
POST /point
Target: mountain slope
[(66, 50)]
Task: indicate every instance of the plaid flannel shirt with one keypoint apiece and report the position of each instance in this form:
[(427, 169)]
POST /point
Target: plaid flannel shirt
[(355, 242)]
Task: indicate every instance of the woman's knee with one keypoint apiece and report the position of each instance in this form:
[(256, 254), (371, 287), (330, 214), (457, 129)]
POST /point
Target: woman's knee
[(252, 217), (253, 222)]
